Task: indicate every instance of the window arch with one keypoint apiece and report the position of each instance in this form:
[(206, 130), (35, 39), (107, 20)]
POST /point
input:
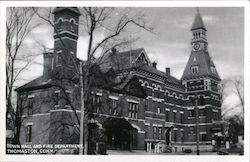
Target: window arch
[(72, 22), (146, 84), (158, 87), (154, 86), (60, 20), (174, 94), (166, 93)]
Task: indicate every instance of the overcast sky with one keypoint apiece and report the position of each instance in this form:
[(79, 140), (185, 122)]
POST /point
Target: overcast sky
[(170, 45)]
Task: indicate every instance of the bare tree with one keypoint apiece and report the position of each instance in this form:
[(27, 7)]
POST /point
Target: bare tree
[(111, 23), (18, 26), (235, 120), (239, 90), (232, 87)]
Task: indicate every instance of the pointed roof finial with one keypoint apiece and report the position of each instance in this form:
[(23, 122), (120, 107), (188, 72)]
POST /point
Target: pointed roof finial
[(198, 22)]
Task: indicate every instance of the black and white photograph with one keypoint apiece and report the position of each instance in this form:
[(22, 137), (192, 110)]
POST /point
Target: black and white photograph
[(124, 80)]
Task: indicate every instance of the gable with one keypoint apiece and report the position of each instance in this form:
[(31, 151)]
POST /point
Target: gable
[(143, 58), (134, 88)]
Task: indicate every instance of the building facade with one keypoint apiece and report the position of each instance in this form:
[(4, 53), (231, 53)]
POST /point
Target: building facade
[(148, 110)]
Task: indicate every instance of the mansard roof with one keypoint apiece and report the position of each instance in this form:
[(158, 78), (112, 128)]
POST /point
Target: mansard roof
[(198, 23), (204, 63)]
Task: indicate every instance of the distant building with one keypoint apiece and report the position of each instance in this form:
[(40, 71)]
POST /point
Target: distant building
[(148, 110)]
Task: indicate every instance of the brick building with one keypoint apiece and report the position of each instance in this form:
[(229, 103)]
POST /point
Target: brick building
[(149, 110)]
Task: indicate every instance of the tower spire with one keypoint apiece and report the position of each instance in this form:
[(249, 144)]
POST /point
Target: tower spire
[(198, 10), (198, 22)]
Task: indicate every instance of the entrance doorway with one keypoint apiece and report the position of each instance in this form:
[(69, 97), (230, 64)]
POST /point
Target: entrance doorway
[(120, 134)]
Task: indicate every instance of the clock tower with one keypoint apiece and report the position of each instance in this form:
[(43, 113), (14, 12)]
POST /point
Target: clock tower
[(201, 81), (199, 34)]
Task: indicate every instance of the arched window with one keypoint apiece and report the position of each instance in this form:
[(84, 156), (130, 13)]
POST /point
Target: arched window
[(72, 21), (60, 24), (154, 86), (146, 84), (158, 87)]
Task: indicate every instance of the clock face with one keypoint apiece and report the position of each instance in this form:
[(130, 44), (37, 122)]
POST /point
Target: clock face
[(196, 46)]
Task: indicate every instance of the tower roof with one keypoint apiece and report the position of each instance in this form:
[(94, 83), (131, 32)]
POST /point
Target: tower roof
[(198, 22), (72, 9), (205, 65)]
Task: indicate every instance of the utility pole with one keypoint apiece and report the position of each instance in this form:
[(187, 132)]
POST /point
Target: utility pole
[(197, 125), (82, 111)]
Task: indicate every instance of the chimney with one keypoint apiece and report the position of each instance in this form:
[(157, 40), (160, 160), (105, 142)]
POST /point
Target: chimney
[(154, 65), (167, 70), (47, 63), (114, 50)]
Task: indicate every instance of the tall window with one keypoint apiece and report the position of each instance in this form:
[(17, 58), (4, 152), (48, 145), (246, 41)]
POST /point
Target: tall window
[(182, 117), (160, 133), (146, 131), (214, 115), (30, 105), (194, 69), (182, 136), (97, 106), (146, 104), (154, 132), (60, 24), (207, 84), (175, 135), (71, 26), (154, 106), (112, 107), (158, 110), (28, 133), (57, 95), (175, 116), (59, 58), (133, 110), (167, 115)]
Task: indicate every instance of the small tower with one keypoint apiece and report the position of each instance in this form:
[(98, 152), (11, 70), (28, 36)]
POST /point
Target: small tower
[(66, 23), (201, 79)]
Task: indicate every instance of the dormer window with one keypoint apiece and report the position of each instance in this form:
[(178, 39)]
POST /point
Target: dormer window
[(213, 69), (194, 69)]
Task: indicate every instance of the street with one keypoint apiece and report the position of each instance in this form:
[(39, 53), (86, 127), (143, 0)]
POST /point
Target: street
[(142, 152)]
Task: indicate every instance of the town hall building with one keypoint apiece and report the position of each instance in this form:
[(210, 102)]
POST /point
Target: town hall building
[(148, 110)]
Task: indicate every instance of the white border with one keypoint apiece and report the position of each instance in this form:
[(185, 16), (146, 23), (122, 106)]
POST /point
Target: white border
[(4, 4)]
